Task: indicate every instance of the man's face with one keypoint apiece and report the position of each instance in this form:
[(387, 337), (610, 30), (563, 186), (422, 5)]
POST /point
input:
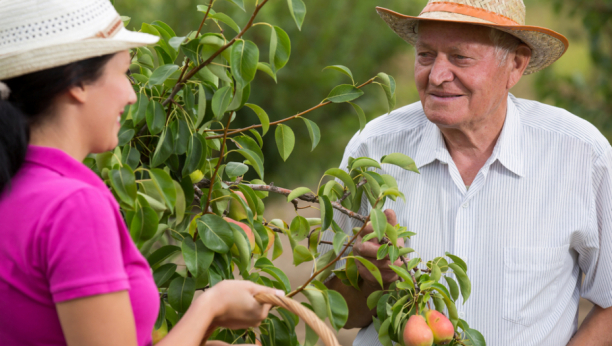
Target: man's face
[(458, 76)]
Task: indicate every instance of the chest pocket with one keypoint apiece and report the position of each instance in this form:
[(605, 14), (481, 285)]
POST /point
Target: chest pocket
[(531, 279)]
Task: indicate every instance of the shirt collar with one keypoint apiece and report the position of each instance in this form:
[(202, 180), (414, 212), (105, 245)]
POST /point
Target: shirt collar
[(508, 150), (62, 163)]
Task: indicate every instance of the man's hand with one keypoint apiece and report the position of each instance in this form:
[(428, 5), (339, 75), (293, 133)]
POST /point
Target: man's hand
[(368, 251)]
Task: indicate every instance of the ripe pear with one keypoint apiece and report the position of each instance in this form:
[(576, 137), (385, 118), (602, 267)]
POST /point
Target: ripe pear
[(440, 326), (160, 333), (236, 211), (246, 230), (417, 333)]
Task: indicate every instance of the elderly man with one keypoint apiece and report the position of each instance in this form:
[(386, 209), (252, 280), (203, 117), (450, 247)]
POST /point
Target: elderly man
[(521, 190)]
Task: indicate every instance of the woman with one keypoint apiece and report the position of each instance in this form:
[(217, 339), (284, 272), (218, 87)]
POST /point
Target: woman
[(70, 274)]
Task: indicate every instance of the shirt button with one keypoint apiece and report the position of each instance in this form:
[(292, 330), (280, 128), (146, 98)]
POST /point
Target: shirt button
[(465, 205), (462, 315)]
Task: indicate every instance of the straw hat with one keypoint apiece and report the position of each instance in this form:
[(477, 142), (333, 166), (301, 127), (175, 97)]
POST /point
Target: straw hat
[(39, 34), (506, 15)]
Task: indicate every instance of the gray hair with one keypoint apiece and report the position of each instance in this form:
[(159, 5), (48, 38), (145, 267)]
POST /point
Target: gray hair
[(504, 43)]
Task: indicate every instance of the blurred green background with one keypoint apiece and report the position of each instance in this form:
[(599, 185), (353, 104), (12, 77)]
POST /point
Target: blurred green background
[(350, 33)]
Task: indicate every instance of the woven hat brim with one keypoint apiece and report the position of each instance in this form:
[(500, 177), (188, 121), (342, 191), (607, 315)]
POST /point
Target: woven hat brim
[(20, 63), (547, 45)]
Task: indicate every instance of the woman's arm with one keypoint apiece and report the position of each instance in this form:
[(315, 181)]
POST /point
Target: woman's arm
[(108, 319)]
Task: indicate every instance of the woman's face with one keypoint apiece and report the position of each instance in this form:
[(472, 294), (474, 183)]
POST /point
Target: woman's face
[(105, 102)]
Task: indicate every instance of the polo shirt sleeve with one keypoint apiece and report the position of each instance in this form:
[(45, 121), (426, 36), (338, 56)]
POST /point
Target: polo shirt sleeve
[(83, 249), (595, 252)]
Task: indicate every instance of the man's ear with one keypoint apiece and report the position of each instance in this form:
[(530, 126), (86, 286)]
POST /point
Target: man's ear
[(78, 93), (519, 63)]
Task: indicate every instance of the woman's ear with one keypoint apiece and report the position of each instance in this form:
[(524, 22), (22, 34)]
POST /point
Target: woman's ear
[(78, 93), (520, 61)]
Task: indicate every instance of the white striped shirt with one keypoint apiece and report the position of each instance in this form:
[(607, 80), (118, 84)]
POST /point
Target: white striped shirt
[(537, 216)]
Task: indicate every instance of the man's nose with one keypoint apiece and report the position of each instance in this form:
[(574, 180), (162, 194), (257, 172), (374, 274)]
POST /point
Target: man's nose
[(441, 71)]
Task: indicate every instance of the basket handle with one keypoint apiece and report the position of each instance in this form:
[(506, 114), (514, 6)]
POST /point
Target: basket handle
[(327, 335)]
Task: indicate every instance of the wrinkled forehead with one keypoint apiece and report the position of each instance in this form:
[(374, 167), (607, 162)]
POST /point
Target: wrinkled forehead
[(437, 33)]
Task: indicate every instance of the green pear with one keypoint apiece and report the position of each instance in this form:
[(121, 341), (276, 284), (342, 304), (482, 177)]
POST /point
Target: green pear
[(160, 333), (417, 332), (236, 211), (441, 327)]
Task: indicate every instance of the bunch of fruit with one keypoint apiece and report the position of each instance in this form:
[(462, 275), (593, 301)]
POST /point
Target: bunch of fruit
[(433, 328)]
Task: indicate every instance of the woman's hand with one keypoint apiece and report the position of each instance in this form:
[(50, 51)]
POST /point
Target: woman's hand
[(234, 305)]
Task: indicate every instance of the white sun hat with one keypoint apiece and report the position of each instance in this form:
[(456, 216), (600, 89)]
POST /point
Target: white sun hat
[(40, 34)]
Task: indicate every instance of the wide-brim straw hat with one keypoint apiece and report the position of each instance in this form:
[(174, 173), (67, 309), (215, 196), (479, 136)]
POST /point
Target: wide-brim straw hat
[(506, 15), (40, 34)]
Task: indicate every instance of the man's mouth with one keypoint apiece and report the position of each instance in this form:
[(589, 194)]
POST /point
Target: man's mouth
[(445, 96)]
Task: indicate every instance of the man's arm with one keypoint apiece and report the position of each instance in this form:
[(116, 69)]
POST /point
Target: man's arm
[(595, 330), (359, 314)]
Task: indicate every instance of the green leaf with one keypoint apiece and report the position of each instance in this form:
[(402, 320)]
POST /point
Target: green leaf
[(215, 233), (197, 257), (278, 275), (297, 193), (162, 274), (317, 300), (226, 19), (235, 169), (180, 293), (338, 309), (344, 93), (299, 228), (241, 242), (458, 261), (243, 60), (373, 299), (464, 281), (220, 101), (181, 203), (254, 160), (388, 85), (201, 105), (344, 177), (342, 69), (298, 11), (370, 267), (327, 212), (144, 223), (338, 242), (267, 69), (379, 222), (285, 140), (313, 131), (436, 273), (125, 136), (162, 73), (156, 117), (164, 149), (475, 337), (382, 252), (402, 273), (162, 254), (413, 263), (141, 109), (195, 151), (360, 115), (301, 254), (364, 162), (454, 288), (191, 50), (165, 186), (383, 333), (239, 3), (400, 160), (123, 182), (280, 48), (262, 115), (263, 262)]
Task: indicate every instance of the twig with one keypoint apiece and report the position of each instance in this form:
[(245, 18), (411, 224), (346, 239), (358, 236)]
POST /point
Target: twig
[(289, 118), (195, 70), (347, 193)]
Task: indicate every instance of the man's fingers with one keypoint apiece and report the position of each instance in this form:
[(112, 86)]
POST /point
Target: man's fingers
[(391, 217), (368, 249)]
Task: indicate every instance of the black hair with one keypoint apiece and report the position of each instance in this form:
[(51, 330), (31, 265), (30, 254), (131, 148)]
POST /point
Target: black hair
[(31, 97)]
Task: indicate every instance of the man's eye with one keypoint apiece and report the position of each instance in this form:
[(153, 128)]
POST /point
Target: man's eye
[(461, 57)]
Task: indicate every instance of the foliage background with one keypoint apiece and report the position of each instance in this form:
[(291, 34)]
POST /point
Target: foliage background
[(350, 33)]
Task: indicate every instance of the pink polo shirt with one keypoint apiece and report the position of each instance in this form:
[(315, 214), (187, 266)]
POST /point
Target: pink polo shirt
[(62, 237)]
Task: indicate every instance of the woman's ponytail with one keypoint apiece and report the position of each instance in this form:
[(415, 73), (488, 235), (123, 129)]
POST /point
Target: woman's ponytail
[(13, 141)]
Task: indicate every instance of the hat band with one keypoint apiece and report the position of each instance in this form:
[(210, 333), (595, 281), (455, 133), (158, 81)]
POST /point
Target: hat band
[(112, 29), (468, 11)]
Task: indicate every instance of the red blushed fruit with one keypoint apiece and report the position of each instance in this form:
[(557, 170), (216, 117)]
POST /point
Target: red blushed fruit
[(441, 327), (246, 230), (417, 333)]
